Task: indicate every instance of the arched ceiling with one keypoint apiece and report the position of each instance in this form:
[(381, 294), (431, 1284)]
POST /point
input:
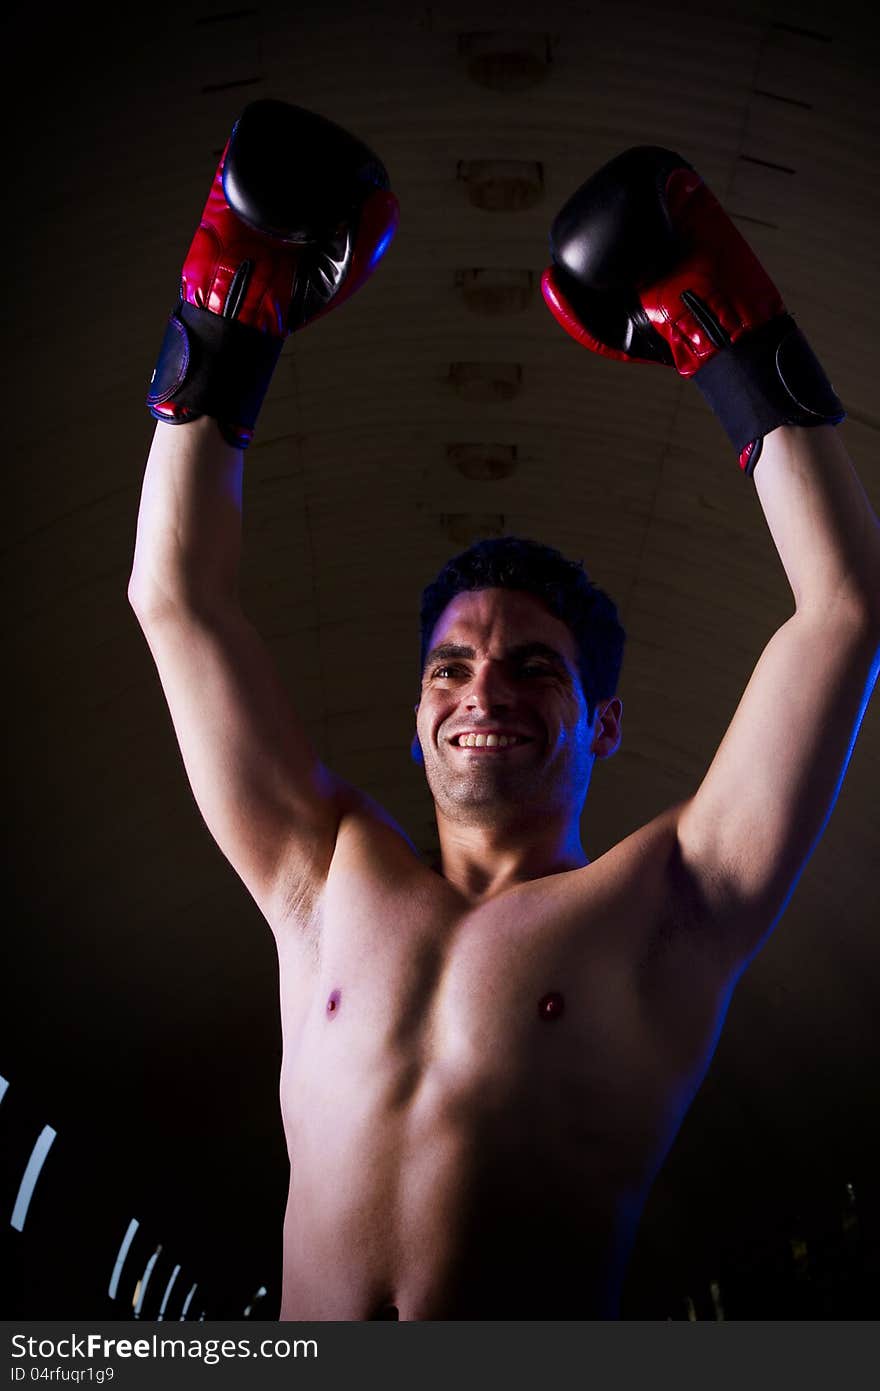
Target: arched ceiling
[(394, 432)]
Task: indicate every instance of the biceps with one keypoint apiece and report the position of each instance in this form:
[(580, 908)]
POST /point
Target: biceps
[(774, 780), (265, 796)]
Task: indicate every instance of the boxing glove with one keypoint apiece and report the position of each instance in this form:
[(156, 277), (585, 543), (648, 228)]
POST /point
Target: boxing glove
[(646, 266), (298, 216)]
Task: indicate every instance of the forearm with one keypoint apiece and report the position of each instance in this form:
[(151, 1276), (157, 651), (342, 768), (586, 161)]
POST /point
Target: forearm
[(188, 547), (823, 525)]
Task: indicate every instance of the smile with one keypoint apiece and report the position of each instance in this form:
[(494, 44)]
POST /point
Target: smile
[(488, 741)]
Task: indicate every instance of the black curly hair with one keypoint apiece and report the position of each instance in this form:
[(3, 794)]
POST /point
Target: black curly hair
[(512, 562)]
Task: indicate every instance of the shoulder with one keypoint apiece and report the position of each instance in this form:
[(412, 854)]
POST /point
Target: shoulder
[(365, 834), (691, 940), (680, 958), (642, 863), (364, 824), (674, 904)]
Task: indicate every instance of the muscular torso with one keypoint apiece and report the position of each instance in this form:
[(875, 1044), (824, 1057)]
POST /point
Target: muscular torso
[(461, 1146)]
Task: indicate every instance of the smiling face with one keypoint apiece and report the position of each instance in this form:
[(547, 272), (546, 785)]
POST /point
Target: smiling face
[(502, 721)]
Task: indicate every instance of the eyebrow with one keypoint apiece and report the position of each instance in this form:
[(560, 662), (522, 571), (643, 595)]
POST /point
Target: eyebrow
[(449, 651)]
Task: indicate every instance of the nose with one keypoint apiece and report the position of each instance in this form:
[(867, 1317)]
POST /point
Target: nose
[(490, 690)]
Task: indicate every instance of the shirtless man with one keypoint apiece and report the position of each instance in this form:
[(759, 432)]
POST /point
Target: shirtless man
[(485, 1067)]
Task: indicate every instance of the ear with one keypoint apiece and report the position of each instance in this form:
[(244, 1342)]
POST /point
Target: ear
[(606, 731)]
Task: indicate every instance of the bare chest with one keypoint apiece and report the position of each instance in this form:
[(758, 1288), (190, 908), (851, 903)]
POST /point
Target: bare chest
[(465, 1088), (524, 1018)]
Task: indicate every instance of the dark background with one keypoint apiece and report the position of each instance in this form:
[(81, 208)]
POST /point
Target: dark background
[(141, 1021)]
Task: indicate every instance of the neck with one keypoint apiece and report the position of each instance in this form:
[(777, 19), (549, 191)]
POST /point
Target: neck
[(482, 861)]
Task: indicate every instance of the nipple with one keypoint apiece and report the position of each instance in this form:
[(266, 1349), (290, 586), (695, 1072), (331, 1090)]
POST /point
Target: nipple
[(333, 1002), (552, 1006)]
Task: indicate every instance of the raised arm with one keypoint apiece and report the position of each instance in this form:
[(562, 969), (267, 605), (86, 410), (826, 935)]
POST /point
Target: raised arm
[(264, 795), (749, 829), (297, 217), (647, 267)]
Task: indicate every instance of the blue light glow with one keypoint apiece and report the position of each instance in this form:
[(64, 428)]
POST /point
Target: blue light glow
[(141, 1286), (381, 248), (31, 1174), (168, 1289), (120, 1257), (256, 1299)]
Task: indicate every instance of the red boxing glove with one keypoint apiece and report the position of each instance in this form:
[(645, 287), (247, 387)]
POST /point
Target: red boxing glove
[(648, 267), (298, 216)]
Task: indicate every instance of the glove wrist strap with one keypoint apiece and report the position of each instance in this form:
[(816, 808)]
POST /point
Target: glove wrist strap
[(769, 377), (212, 366)]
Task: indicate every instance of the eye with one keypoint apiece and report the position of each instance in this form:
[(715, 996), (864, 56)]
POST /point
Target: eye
[(445, 673)]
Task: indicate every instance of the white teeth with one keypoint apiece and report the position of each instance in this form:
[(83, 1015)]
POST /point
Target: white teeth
[(487, 741)]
